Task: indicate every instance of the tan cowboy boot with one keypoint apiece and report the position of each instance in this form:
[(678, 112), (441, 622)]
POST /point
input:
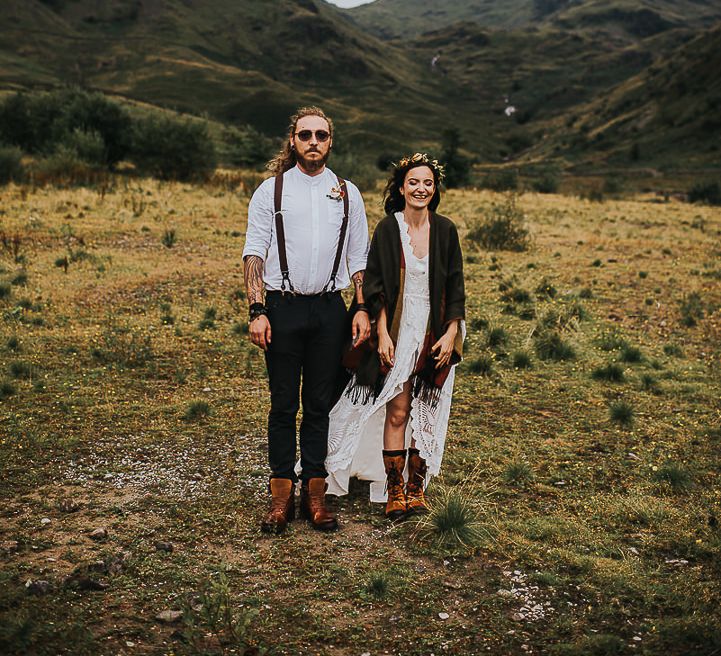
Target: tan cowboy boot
[(312, 505), (394, 462), (415, 499), (282, 506)]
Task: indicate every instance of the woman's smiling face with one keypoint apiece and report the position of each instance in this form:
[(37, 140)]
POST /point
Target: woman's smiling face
[(418, 187)]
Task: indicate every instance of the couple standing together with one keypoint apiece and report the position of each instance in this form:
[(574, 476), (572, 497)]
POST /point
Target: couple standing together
[(307, 239)]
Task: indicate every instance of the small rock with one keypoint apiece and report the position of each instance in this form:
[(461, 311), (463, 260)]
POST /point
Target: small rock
[(633, 550), (45, 521), (164, 546), (206, 389), (518, 617), (99, 534), (129, 643), (169, 616), (38, 588), (68, 505), (108, 476), (637, 638), (504, 593), (443, 616)]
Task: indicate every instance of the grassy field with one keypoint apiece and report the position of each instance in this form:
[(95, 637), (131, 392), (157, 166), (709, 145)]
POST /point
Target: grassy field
[(584, 443)]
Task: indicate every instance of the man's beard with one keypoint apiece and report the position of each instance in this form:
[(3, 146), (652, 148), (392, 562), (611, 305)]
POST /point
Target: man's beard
[(312, 165)]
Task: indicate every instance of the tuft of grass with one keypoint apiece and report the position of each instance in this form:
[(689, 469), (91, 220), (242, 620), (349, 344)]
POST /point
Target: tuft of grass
[(197, 410), (516, 295), (208, 320), (20, 369), (610, 341), (482, 365), (522, 360), (497, 337), (631, 354), (586, 292), (545, 289), (596, 263), (479, 323), (673, 350), (518, 473), (20, 279), (7, 389), (5, 291), (13, 343), (169, 238), (503, 229), (551, 346), (612, 373), (378, 585), (692, 309), (649, 384), (240, 328), (453, 521), (621, 412), (676, 476)]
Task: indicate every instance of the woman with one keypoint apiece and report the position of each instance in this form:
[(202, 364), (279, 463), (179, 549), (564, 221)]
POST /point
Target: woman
[(392, 419)]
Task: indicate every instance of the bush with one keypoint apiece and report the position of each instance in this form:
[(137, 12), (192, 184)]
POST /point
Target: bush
[(613, 373), (503, 229), (361, 173), (692, 309), (457, 166), (506, 180), (708, 193), (621, 413), (522, 360), (87, 146), (197, 410), (548, 183), (246, 147), (63, 168), (173, 149), (11, 168)]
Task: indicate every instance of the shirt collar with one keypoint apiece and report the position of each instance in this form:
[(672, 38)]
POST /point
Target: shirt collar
[(312, 180)]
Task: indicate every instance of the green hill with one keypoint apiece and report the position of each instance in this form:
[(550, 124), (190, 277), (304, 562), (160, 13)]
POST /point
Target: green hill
[(403, 19)]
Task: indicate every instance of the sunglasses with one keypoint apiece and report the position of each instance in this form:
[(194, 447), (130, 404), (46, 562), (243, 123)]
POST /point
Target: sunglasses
[(307, 135)]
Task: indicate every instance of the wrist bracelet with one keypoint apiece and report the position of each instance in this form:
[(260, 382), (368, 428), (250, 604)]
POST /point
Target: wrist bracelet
[(362, 307), (256, 309)]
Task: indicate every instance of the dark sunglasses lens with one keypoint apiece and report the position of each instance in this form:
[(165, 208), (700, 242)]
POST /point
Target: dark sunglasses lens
[(307, 135)]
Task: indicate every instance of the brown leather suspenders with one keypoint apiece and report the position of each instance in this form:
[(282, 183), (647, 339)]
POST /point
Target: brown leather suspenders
[(280, 234)]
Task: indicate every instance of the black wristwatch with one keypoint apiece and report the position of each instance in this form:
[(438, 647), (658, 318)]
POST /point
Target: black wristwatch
[(256, 309)]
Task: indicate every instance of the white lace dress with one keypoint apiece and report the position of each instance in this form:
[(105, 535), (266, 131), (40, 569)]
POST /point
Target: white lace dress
[(355, 434)]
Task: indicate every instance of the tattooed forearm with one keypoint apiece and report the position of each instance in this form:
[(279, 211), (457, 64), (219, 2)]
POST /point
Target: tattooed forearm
[(253, 274), (358, 283)]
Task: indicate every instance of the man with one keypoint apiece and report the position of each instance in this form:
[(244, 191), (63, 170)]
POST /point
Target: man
[(302, 224)]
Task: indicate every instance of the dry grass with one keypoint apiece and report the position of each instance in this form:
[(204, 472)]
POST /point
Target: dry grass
[(615, 527)]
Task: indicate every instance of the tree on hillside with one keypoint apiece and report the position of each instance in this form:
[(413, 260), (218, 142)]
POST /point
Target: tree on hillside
[(458, 167)]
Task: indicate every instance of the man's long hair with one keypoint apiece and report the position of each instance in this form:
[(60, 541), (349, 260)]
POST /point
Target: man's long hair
[(286, 159)]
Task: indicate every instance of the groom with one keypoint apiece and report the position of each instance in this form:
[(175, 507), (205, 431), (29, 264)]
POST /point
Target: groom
[(307, 231)]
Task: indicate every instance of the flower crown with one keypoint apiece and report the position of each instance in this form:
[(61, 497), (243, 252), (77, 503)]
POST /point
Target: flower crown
[(424, 159)]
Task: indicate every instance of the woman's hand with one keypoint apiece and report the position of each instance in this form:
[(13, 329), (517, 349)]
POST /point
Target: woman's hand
[(386, 350), (443, 348)]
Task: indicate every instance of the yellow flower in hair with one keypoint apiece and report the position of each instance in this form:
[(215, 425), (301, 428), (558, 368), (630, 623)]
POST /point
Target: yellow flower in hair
[(423, 157)]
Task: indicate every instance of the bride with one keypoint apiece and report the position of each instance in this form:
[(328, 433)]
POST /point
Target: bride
[(390, 424)]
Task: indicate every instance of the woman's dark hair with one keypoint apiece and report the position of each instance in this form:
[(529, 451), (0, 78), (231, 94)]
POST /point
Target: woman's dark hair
[(393, 200)]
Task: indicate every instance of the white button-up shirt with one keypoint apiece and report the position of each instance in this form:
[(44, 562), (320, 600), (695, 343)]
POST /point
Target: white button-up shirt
[(311, 221)]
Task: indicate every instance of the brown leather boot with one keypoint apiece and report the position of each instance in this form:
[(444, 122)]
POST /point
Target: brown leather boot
[(415, 499), (394, 462), (282, 506), (312, 505)]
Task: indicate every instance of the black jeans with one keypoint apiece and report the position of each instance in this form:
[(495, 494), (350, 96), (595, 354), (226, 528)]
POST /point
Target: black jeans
[(307, 336)]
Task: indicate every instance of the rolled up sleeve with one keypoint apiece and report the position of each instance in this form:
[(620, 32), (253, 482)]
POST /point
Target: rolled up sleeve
[(357, 253), (260, 222)]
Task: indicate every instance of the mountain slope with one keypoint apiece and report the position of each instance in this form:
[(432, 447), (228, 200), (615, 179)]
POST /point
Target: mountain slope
[(402, 19)]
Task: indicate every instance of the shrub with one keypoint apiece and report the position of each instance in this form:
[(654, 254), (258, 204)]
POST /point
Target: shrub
[(548, 183), (673, 350), (88, 146), (173, 149), (546, 289), (246, 147), (7, 389), (64, 167), (5, 291), (457, 166), (503, 229), (11, 168), (610, 341), (506, 180), (708, 193), (19, 369)]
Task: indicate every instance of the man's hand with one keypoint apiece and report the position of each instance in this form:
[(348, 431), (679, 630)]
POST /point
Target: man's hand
[(361, 327), (259, 331)]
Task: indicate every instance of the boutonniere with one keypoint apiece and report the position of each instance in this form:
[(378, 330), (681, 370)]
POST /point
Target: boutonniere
[(336, 193)]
